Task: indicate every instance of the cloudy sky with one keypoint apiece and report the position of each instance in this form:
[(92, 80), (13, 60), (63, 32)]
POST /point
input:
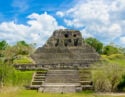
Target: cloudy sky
[(35, 20)]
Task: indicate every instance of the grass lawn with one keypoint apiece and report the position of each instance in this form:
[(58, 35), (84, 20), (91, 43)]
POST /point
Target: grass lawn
[(16, 92)]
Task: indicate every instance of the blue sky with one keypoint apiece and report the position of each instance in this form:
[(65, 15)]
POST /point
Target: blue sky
[(35, 20)]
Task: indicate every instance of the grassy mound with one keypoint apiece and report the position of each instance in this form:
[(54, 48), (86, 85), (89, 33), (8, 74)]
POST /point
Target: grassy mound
[(114, 59), (23, 60)]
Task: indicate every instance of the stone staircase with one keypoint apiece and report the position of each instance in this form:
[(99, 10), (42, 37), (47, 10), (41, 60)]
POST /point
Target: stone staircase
[(37, 79), (86, 79), (61, 81)]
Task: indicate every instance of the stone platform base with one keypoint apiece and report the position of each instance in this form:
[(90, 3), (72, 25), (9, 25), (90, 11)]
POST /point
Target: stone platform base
[(60, 88)]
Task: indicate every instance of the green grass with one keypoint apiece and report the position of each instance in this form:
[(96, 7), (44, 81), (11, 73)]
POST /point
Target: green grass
[(33, 93), (22, 77), (115, 59)]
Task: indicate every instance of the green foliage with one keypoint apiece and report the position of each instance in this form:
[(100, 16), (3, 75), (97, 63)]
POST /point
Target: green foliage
[(6, 73), (107, 77), (22, 43), (10, 76), (114, 59), (3, 45), (121, 85), (116, 56), (23, 60), (109, 49), (22, 77), (10, 53), (23, 48), (95, 43)]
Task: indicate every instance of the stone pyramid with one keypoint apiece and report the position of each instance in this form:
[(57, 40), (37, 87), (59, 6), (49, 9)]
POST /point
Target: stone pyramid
[(65, 47)]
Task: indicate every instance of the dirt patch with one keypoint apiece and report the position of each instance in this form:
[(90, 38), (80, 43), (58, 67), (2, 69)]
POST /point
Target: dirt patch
[(9, 89)]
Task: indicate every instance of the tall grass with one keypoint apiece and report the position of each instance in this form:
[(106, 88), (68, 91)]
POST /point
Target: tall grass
[(11, 77), (22, 77)]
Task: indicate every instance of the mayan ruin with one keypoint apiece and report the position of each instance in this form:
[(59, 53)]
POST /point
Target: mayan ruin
[(65, 47), (62, 56)]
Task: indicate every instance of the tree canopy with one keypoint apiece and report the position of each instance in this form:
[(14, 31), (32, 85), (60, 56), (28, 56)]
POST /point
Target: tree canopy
[(3, 45), (95, 43), (9, 53), (109, 49)]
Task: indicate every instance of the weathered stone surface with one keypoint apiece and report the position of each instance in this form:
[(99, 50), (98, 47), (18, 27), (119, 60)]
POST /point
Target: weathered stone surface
[(61, 81), (60, 88), (65, 47)]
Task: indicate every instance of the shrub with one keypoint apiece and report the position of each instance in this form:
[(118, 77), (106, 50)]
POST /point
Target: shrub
[(107, 77), (121, 85)]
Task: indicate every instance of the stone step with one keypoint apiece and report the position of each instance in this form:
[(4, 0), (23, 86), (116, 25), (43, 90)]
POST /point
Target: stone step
[(86, 82), (40, 72), (59, 87), (37, 79), (37, 82), (87, 87), (62, 71), (40, 75), (61, 81), (34, 86)]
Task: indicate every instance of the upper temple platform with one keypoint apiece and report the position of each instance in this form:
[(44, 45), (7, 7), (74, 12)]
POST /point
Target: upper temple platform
[(65, 38), (65, 47)]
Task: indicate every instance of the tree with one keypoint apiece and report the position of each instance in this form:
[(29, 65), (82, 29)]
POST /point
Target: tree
[(109, 49), (95, 44), (3, 45), (23, 48), (12, 52)]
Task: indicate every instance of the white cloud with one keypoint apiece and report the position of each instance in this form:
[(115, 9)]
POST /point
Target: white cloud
[(39, 28), (85, 34), (59, 13), (115, 30), (103, 18), (75, 23), (122, 40), (91, 10)]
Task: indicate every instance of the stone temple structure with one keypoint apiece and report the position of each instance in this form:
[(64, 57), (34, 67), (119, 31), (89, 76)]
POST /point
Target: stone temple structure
[(65, 48), (63, 56)]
